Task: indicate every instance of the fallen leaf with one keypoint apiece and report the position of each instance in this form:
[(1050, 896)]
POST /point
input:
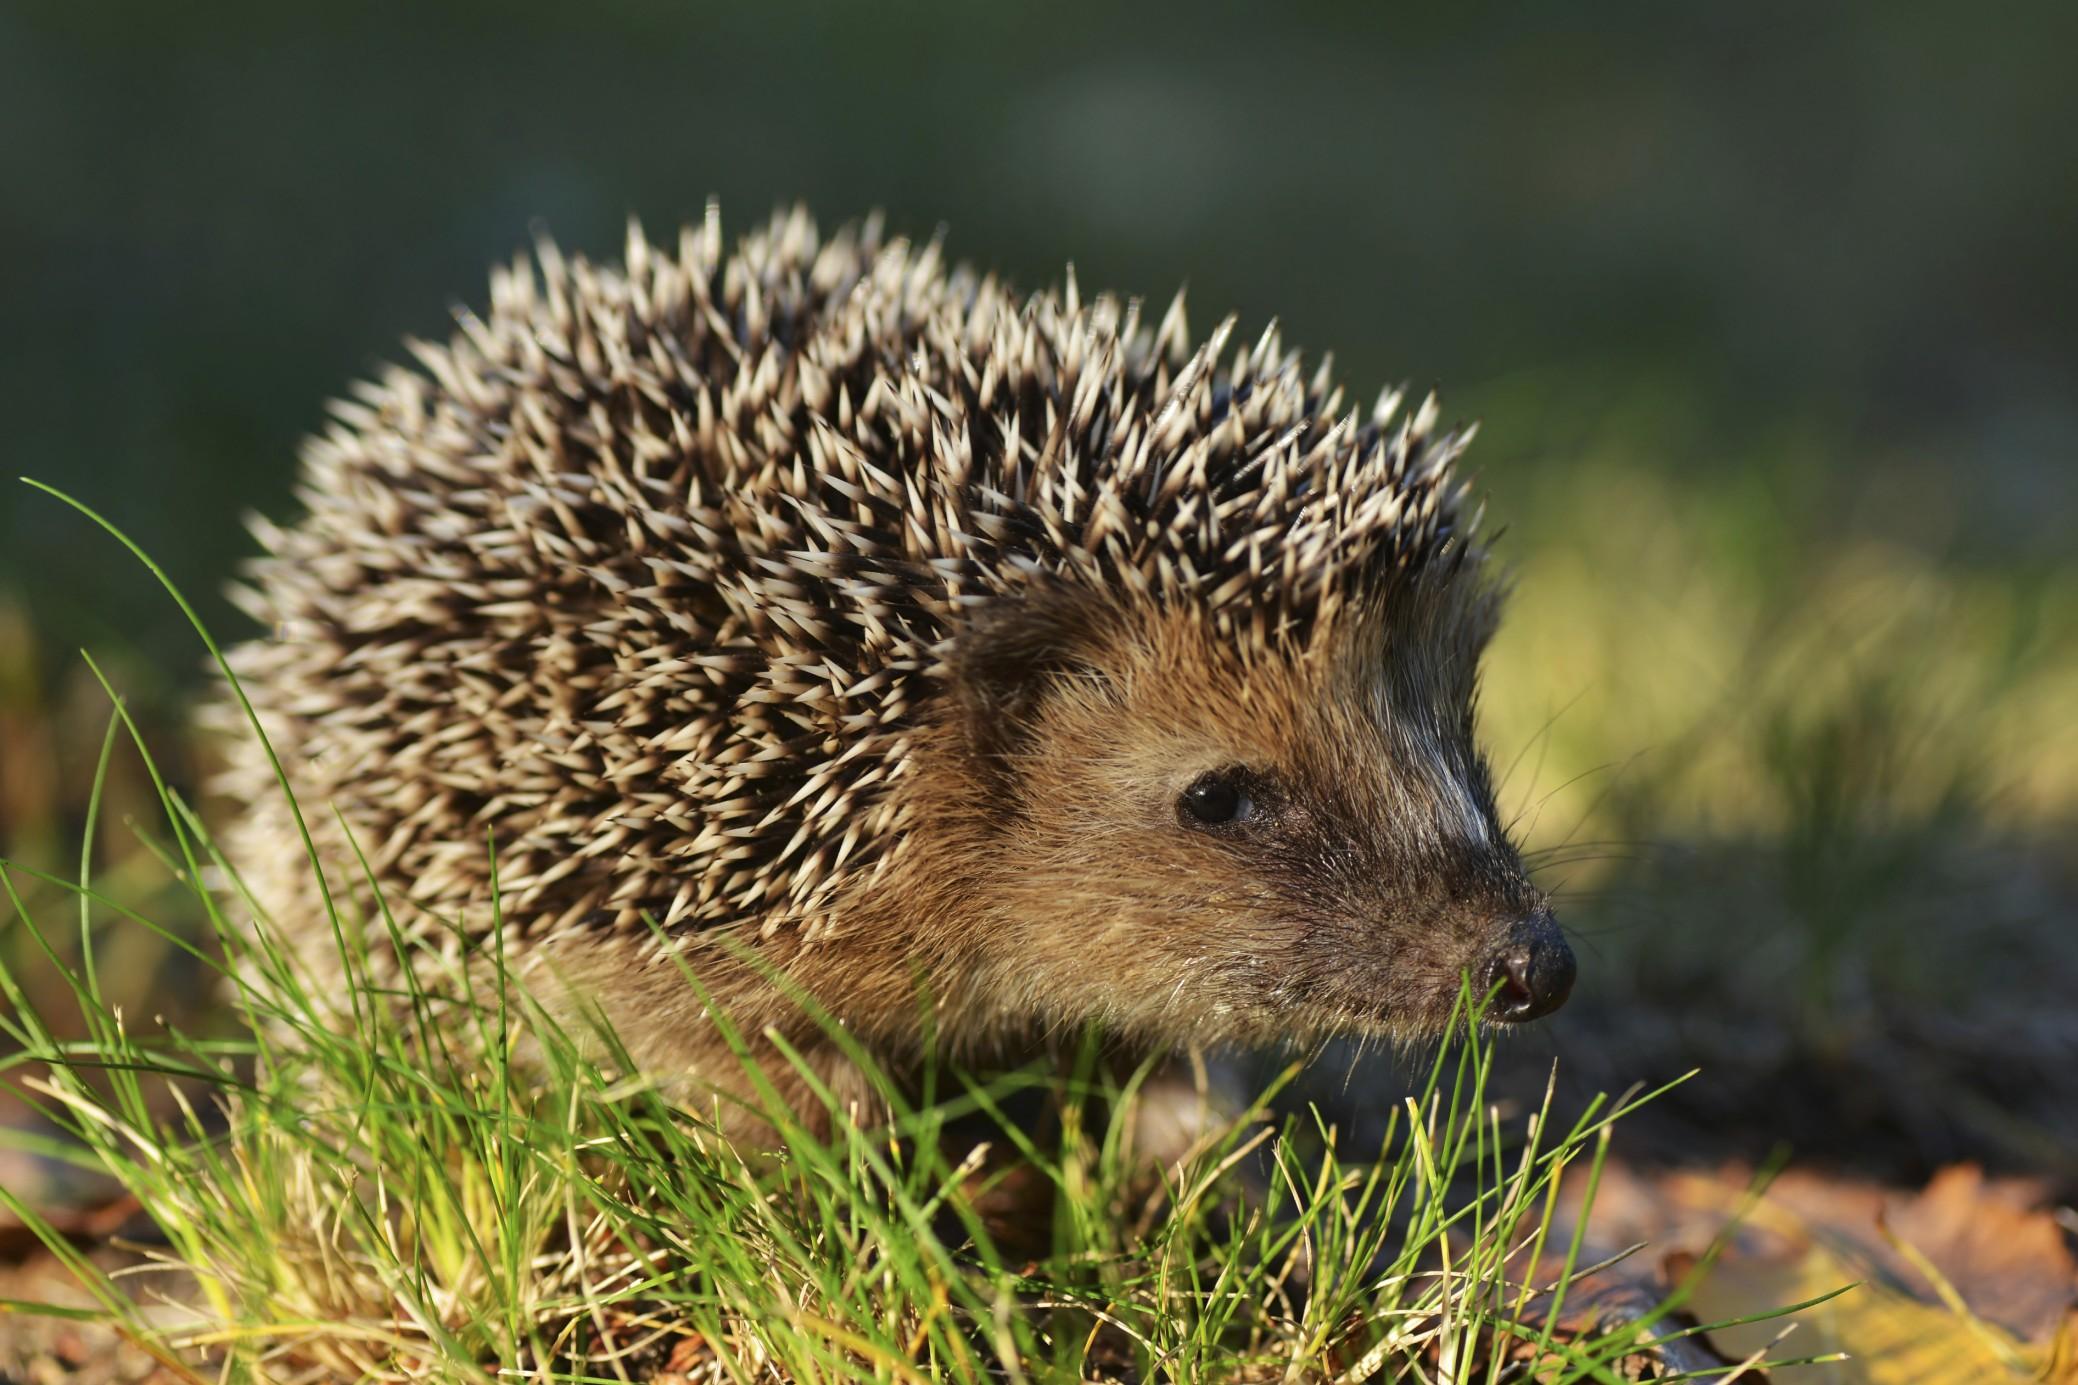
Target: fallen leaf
[(1990, 1244)]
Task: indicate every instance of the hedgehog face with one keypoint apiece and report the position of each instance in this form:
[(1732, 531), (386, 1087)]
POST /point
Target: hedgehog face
[(1196, 847)]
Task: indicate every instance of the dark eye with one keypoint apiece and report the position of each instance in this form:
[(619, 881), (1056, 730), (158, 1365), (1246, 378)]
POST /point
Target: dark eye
[(1214, 799)]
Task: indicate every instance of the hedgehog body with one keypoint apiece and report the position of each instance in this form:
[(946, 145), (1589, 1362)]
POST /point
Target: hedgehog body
[(814, 608)]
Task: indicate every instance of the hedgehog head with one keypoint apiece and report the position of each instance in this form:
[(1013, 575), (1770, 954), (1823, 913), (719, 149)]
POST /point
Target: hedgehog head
[(1254, 818)]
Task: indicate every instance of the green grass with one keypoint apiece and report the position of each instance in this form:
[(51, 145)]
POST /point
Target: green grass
[(442, 1181)]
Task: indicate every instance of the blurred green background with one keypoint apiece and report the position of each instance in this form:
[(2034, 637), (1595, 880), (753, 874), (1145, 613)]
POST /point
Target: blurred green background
[(1770, 313)]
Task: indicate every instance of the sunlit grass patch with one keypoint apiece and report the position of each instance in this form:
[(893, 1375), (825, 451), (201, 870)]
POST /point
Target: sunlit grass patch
[(1726, 653)]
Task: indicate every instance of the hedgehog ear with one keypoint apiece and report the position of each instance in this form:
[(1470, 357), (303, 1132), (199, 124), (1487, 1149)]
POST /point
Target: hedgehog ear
[(1007, 659)]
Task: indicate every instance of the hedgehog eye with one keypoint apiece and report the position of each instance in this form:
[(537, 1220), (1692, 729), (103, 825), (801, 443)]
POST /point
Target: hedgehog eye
[(1215, 799)]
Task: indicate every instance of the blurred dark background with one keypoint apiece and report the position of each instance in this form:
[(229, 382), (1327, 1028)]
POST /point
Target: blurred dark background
[(217, 216), (1770, 312)]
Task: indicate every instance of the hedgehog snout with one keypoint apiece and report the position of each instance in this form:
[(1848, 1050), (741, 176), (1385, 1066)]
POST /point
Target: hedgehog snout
[(1530, 974)]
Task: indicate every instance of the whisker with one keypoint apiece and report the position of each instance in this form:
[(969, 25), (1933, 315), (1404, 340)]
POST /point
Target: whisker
[(1541, 738)]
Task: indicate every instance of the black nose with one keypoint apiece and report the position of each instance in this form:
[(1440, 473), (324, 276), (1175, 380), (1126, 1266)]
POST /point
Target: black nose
[(1530, 974)]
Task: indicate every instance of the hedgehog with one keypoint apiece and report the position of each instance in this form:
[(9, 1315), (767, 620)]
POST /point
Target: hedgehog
[(816, 618)]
